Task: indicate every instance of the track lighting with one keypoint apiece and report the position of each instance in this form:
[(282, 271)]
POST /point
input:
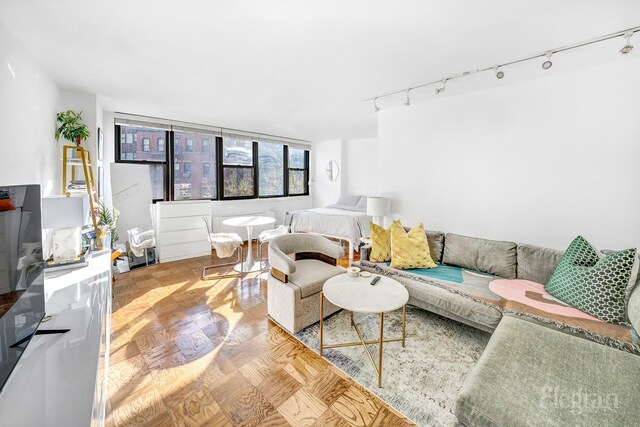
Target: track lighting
[(498, 68), (547, 64), (627, 48)]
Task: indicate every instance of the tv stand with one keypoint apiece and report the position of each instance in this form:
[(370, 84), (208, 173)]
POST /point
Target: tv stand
[(39, 332), (65, 378)]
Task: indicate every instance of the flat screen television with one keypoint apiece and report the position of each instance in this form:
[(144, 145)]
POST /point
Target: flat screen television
[(21, 273)]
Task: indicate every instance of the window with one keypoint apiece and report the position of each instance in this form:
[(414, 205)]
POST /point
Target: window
[(148, 154), (270, 169), (194, 182), (238, 169), (186, 163), (298, 172)]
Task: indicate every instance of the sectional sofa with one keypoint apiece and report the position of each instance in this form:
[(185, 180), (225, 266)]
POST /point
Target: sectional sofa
[(532, 373)]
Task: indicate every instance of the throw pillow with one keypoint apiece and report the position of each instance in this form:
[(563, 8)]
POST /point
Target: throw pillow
[(410, 250), (380, 243), (593, 283)]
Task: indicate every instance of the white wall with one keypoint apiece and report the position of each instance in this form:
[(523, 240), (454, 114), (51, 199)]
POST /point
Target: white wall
[(361, 166), (87, 103), (323, 191), (539, 161), (280, 206), (28, 106)]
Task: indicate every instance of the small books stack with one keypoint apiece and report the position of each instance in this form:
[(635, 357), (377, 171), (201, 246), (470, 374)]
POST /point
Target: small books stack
[(77, 186)]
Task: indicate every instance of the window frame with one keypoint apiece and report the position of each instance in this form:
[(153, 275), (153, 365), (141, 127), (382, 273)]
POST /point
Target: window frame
[(165, 162), (285, 173), (304, 169), (215, 144), (221, 167)]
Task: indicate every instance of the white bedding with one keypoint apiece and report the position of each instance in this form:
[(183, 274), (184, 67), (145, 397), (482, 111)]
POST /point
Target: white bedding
[(348, 224)]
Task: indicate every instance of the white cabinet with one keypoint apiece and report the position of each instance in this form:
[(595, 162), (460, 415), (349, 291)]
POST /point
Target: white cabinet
[(180, 229), (60, 379)]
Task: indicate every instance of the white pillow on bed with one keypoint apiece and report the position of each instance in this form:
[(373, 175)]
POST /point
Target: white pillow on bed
[(347, 208), (348, 201)]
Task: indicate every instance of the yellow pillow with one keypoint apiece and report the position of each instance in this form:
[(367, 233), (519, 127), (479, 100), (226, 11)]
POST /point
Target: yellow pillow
[(410, 250), (380, 243)]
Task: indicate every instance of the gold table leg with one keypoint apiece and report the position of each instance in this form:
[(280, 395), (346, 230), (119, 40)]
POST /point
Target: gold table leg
[(380, 350), (404, 324), (321, 319), (363, 342)]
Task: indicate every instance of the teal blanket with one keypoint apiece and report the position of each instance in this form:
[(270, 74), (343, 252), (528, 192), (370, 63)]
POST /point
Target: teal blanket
[(442, 272)]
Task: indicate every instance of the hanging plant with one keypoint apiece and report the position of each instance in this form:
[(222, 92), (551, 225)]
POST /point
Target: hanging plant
[(71, 128)]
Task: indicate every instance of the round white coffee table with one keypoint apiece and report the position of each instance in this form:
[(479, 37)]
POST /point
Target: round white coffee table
[(356, 294), (249, 222)]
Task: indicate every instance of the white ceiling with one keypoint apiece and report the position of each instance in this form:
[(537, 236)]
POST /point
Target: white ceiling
[(295, 68)]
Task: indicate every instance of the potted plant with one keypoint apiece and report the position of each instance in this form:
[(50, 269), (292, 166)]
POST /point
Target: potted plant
[(108, 220), (71, 128)]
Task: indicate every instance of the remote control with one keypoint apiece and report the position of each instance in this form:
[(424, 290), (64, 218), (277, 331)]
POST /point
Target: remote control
[(375, 280)]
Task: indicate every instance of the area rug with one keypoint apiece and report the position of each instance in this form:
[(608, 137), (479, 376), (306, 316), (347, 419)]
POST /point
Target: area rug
[(420, 381)]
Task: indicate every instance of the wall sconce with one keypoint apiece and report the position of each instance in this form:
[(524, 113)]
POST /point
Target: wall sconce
[(332, 171)]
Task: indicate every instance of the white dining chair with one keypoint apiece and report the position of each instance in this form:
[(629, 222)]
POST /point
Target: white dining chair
[(267, 236), (225, 244)]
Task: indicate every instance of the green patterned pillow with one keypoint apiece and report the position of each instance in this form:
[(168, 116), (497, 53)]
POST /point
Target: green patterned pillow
[(593, 283)]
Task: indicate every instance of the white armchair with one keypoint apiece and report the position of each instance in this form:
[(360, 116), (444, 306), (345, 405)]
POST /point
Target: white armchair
[(294, 285), (141, 241), (267, 236)]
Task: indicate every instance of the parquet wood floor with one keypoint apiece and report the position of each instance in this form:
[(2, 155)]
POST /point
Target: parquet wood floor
[(186, 352)]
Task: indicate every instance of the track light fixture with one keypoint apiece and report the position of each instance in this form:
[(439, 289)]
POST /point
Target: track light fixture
[(547, 64), (628, 47), (498, 68)]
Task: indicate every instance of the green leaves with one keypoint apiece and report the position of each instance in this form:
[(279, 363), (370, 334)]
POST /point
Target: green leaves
[(109, 218), (71, 128)]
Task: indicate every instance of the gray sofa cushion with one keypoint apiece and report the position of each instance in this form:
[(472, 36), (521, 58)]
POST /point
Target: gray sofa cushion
[(531, 375), (436, 244), (490, 256), (535, 263)]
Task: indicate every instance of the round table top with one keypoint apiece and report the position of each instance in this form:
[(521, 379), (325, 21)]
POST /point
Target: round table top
[(356, 293), (248, 221)]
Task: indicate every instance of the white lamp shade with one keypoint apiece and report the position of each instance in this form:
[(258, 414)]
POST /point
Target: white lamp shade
[(378, 206), (64, 212)]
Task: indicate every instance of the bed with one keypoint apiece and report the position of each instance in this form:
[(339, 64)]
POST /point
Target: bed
[(345, 220)]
